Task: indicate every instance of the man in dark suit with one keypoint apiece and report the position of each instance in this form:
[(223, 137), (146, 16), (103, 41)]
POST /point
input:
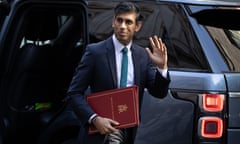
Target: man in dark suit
[(100, 69)]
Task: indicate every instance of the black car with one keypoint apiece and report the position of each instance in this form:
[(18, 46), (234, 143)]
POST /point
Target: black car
[(41, 43), (203, 41)]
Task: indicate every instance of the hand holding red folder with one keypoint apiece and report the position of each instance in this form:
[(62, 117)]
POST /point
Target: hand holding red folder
[(104, 125), (120, 105)]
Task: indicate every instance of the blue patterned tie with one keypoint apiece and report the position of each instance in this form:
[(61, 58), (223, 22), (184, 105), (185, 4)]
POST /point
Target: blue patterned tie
[(124, 69)]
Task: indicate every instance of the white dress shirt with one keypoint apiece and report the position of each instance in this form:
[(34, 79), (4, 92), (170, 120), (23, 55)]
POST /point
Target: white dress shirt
[(118, 48)]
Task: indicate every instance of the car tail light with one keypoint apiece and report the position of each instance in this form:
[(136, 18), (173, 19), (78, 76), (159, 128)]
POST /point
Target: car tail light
[(212, 102), (210, 127)]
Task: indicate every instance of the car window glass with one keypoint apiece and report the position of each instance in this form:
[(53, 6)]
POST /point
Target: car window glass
[(227, 41), (167, 21), (224, 29), (234, 36)]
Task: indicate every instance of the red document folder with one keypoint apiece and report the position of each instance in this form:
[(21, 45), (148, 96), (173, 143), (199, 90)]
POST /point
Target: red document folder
[(119, 104)]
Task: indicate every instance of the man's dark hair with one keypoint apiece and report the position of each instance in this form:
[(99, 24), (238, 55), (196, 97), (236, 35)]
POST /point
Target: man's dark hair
[(124, 7)]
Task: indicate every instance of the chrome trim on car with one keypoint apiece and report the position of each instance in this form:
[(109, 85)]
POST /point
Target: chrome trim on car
[(234, 94)]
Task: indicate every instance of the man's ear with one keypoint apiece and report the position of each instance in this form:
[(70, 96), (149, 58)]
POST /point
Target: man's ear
[(138, 26)]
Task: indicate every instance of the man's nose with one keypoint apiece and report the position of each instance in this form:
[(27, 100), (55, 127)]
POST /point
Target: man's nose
[(123, 24)]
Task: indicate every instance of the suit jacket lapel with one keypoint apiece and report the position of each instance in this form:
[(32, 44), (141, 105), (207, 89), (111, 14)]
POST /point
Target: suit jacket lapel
[(112, 60), (136, 65)]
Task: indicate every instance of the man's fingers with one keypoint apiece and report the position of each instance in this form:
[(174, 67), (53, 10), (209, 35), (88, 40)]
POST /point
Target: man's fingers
[(162, 44), (112, 122), (112, 129), (152, 42), (158, 42), (164, 48), (107, 126), (149, 52), (109, 129)]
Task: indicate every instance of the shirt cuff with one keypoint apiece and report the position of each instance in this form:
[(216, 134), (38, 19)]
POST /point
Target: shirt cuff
[(91, 118), (163, 72)]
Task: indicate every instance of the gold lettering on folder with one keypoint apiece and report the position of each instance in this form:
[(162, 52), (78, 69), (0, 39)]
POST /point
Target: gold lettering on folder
[(122, 108)]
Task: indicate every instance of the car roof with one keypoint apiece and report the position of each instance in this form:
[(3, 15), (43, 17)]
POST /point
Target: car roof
[(193, 2), (206, 2)]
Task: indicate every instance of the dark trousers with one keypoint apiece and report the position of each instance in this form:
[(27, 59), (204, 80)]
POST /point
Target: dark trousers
[(123, 136), (83, 137)]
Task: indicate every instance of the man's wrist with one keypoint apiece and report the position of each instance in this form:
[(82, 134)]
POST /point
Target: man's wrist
[(92, 118), (163, 72)]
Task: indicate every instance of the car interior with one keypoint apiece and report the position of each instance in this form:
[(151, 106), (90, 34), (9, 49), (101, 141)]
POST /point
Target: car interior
[(46, 52)]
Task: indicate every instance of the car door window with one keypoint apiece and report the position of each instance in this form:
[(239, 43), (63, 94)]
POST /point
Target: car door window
[(227, 41), (223, 28), (167, 21)]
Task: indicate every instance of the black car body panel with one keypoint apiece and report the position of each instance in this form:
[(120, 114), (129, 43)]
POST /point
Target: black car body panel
[(173, 119), (233, 108), (36, 67)]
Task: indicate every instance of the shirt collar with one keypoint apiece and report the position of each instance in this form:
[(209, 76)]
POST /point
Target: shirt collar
[(118, 46)]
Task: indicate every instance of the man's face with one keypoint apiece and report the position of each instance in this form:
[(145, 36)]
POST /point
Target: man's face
[(125, 25)]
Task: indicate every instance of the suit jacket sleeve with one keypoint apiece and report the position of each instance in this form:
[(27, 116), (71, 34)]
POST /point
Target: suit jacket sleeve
[(78, 86), (157, 85), (147, 75), (161, 85)]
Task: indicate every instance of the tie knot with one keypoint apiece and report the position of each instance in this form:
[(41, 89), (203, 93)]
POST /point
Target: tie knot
[(124, 50)]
